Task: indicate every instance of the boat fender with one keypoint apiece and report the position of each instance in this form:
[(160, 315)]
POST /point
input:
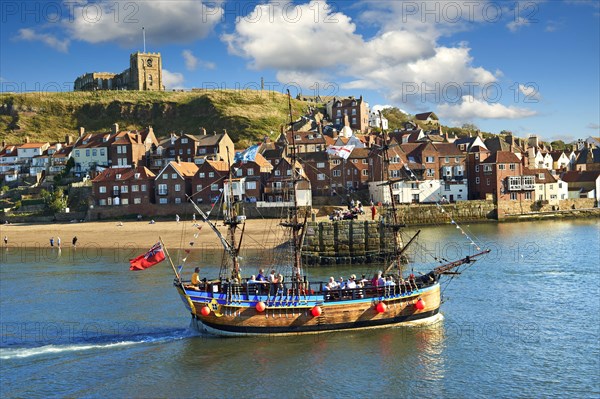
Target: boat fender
[(420, 304), (205, 311), (316, 311), (381, 307), (260, 307)]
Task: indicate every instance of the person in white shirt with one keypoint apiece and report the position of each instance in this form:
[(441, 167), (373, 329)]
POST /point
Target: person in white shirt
[(351, 283)]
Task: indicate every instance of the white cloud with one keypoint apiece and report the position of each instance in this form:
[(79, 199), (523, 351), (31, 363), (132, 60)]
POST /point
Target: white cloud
[(191, 62), (594, 126), (172, 80), (471, 108), (48, 39), (517, 24), (531, 92), (164, 21)]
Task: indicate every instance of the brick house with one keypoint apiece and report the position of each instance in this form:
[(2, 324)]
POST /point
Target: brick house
[(279, 186), (502, 177), (123, 186), (208, 180), (215, 146), (304, 141), (254, 174), (130, 147), (354, 109), (173, 184), (317, 166)]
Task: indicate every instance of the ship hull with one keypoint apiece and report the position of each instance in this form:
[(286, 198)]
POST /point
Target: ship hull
[(241, 318)]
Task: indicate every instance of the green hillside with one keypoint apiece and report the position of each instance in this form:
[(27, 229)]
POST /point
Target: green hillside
[(246, 115)]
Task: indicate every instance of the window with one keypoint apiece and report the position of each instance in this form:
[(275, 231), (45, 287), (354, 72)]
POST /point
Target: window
[(487, 181), (102, 189), (162, 189), (477, 180), (94, 153), (277, 173), (447, 160), (430, 159), (163, 200), (178, 187), (184, 141), (135, 188), (211, 174), (181, 151), (512, 166), (188, 151), (238, 172), (199, 187), (102, 202), (321, 176), (552, 187), (541, 176), (137, 200), (477, 168), (348, 172), (430, 172), (457, 159), (250, 172), (87, 153), (354, 121), (337, 173), (487, 168), (552, 196), (353, 111), (501, 166), (320, 165), (513, 196), (214, 187), (174, 176), (77, 153), (365, 161), (336, 162), (125, 201), (178, 200), (118, 149), (143, 187), (288, 172), (165, 176), (124, 189), (250, 185), (201, 175), (365, 172)]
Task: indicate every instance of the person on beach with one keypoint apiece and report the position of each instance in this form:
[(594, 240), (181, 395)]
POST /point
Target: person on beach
[(51, 241), (177, 218), (74, 241), (5, 241), (58, 241)]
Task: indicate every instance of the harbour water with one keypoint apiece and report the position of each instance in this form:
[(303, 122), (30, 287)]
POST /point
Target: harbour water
[(523, 322)]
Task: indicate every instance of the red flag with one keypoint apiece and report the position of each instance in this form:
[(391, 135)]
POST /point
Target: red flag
[(155, 255)]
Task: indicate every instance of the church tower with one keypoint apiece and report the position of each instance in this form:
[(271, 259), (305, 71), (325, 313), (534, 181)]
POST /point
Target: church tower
[(145, 72)]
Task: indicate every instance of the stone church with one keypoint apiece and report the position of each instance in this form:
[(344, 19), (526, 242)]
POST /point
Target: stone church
[(144, 74)]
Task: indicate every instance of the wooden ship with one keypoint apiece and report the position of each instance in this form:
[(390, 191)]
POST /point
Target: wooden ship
[(230, 305)]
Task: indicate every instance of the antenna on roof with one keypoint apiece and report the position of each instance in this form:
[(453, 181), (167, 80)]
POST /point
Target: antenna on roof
[(144, 36)]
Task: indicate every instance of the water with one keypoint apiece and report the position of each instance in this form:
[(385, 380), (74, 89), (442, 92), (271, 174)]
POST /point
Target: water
[(521, 323)]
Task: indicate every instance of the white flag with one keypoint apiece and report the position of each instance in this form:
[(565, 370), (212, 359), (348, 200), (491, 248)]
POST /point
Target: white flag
[(341, 151)]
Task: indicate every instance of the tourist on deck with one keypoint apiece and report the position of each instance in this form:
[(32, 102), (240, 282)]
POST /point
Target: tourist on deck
[(196, 277), (341, 283), (377, 279), (273, 280), (261, 275), (351, 283), (389, 281), (332, 284)]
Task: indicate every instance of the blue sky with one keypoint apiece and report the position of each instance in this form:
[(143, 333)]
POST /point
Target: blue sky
[(524, 66)]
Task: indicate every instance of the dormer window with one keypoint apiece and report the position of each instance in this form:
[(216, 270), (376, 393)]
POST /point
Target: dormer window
[(541, 176), (137, 175), (297, 137), (118, 176), (184, 141)]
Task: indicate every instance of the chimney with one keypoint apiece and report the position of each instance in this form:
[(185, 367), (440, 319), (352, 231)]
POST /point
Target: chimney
[(150, 130), (69, 139), (224, 131), (134, 165), (115, 128), (203, 131), (178, 160), (3, 143), (26, 139), (81, 131), (320, 129)]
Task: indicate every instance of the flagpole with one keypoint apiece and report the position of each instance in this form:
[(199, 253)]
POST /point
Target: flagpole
[(169, 257)]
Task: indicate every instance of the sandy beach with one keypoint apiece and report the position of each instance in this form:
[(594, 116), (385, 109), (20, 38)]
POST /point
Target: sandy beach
[(258, 234)]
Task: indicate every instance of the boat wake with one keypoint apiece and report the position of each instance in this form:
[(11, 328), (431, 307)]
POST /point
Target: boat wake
[(106, 343)]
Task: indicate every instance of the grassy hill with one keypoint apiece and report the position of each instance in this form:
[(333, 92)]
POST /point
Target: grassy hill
[(247, 115)]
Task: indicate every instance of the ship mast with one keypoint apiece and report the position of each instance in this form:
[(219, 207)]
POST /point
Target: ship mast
[(293, 219), (395, 226), (232, 221)]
